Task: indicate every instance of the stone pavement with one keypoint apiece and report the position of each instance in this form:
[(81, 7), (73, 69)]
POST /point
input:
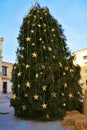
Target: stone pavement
[(9, 122)]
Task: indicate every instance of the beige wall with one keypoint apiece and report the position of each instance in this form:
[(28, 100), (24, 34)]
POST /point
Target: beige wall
[(81, 59), (5, 81), (7, 78)]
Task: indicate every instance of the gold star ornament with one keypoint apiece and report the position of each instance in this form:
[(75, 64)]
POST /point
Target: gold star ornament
[(24, 107), (70, 95), (53, 29), (27, 66), (64, 104), (28, 39), (34, 54), (60, 64), (36, 97), (28, 84), (14, 96), (44, 106), (37, 75), (39, 25), (53, 94), (44, 88), (32, 31), (18, 85), (49, 48), (43, 66), (19, 74), (65, 85)]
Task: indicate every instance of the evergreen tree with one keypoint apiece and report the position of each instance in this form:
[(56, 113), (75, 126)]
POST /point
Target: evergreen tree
[(45, 80)]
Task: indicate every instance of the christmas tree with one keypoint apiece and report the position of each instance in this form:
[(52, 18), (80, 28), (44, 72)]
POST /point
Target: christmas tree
[(45, 80)]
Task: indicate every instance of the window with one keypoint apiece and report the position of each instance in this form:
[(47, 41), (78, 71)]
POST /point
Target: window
[(4, 70), (86, 82), (4, 87), (85, 67), (84, 57)]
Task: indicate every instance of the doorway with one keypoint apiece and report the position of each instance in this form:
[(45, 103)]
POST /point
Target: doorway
[(4, 87)]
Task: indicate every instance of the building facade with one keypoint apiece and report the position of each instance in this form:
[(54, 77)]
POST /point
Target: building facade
[(81, 60), (5, 73)]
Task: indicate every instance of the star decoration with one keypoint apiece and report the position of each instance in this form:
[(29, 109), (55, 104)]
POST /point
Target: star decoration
[(35, 16), (51, 40), (34, 54), (40, 39), (71, 70), (64, 73), (14, 96), (49, 48), (44, 106), (33, 44), (28, 39), (44, 87), (37, 75), (39, 25), (47, 116), (41, 73), (36, 97), (70, 95), (53, 94), (43, 42), (26, 95), (24, 107), (78, 92), (33, 25), (53, 57), (19, 74), (64, 104), (44, 25), (62, 94), (65, 85), (28, 84), (22, 48), (32, 31), (18, 85), (54, 35), (53, 29), (38, 11), (43, 66), (45, 13), (60, 64), (27, 66), (21, 56), (28, 21), (14, 67), (66, 68), (44, 47)]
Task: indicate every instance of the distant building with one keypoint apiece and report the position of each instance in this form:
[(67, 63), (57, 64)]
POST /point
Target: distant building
[(81, 60), (5, 73)]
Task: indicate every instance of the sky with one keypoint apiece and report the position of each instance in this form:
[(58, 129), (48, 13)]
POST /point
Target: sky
[(71, 14)]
